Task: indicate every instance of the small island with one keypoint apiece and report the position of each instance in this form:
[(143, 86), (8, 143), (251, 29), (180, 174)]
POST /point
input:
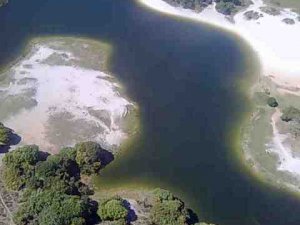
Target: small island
[(60, 92)]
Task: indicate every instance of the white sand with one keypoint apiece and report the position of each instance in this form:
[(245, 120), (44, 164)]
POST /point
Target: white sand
[(65, 89), (278, 146), (277, 43)]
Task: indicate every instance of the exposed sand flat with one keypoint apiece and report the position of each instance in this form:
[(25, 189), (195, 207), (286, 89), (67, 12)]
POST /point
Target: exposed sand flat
[(286, 160), (70, 102), (276, 42)]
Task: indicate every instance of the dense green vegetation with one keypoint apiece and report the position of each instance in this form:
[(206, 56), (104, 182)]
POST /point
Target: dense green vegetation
[(168, 209), (272, 102), (227, 7), (113, 209), (290, 114), (5, 133), (52, 191)]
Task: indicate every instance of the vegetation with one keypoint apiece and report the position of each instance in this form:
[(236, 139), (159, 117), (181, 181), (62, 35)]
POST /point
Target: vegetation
[(272, 102), (52, 191), (5, 133), (113, 209), (168, 210), (88, 157), (290, 114), (53, 194), (227, 7)]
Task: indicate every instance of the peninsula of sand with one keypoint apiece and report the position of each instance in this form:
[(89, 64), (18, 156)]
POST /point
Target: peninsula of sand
[(271, 136), (60, 92)]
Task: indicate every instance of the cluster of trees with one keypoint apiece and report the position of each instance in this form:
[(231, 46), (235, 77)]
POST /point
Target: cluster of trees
[(5, 133), (52, 191), (227, 7)]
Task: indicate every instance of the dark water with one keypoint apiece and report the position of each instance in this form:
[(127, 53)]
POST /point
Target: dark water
[(183, 76)]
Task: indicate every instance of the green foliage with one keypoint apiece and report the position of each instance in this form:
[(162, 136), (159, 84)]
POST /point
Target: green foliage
[(18, 166), (290, 114), (226, 7), (163, 194), (51, 208), (168, 209), (272, 102), (5, 132), (88, 157), (113, 209), (169, 212)]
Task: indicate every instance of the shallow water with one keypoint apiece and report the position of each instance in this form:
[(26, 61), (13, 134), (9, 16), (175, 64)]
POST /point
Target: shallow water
[(183, 75)]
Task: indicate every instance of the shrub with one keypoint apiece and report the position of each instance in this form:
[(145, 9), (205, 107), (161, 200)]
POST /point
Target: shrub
[(5, 134), (163, 194), (290, 113), (113, 209), (88, 157), (51, 208), (18, 166), (171, 212), (272, 102)]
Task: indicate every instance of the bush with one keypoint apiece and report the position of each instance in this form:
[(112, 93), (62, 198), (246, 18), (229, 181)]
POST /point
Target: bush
[(170, 212), (5, 134), (113, 209), (163, 194), (18, 166), (51, 208), (290, 113), (88, 157), (272, 102)]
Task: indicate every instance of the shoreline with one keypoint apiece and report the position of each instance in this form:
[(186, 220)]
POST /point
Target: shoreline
[(276, 59), (59, 64), (277, 72)]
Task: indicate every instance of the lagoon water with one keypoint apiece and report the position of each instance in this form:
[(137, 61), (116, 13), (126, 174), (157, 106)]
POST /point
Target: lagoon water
[(184, 77)]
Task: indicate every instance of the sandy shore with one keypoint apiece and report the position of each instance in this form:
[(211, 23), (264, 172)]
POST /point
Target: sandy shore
[(276, 43), (54, 97)]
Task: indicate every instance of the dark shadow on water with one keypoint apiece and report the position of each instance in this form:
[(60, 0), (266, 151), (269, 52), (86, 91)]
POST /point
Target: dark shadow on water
[(106, 157), (193, 218), (14, 140), (131, 214)]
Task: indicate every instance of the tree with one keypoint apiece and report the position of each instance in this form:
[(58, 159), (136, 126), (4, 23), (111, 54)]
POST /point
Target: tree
[(272, 102), (88, 157), (113, 209), (18, 166), (169, 212), (45, 207), (5, 133)]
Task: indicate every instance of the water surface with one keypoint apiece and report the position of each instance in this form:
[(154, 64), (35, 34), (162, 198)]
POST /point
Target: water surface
[(183, 75)]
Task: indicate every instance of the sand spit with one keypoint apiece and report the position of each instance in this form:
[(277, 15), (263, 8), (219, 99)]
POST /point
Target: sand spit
[(55, 96), (276, 42)]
